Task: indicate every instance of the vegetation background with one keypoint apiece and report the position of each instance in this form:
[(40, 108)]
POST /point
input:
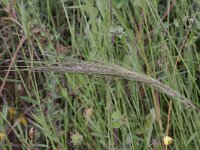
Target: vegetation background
[(51, 109)]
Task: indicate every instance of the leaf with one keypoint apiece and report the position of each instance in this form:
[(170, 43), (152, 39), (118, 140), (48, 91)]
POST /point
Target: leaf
[(77, 139), (5, 2), (64, 92), (117, 115), (116, 124), (150, 119), (5, 110), (117, 119)]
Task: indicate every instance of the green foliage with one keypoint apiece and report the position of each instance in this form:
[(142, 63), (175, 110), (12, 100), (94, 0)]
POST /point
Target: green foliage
[(145, 41), (4, 2), (117, 119)]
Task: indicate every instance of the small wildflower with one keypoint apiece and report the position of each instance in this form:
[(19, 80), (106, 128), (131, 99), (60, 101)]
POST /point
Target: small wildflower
[(21, 119), (11, 112), (167, 140), (2, 136)]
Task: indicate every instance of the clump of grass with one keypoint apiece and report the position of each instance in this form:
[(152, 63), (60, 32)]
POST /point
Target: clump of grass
[(53, 48)]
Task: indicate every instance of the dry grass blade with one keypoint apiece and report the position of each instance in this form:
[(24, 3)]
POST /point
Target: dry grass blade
[(100, 68)]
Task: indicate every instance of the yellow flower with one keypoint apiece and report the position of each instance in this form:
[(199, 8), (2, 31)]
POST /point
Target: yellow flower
[(167, 140), (21, 119), (2, 136), (11, 112)]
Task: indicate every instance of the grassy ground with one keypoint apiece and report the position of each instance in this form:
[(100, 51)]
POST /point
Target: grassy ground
[(111, 49)]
